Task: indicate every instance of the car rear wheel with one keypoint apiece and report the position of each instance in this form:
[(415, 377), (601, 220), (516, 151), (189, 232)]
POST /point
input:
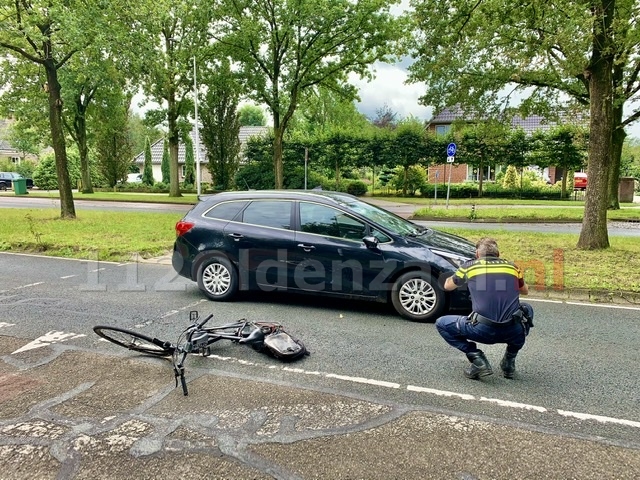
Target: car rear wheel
[(218, 279), (416, 296)]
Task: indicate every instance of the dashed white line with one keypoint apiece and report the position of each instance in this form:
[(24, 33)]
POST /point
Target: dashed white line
[(599, 418), (363, 380), (68, 276), (441, 393), (507, 403), (3, 324), (20, 287)]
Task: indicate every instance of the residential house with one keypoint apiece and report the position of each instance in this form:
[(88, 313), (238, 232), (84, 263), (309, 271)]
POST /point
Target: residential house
[(441, 124), (158, 146), (7, 152)]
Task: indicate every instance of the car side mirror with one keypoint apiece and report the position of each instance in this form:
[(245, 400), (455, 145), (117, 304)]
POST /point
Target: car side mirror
[(371, 242)]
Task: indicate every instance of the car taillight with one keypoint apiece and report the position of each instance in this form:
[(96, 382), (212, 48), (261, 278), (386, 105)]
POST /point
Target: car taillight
[(183, 227)]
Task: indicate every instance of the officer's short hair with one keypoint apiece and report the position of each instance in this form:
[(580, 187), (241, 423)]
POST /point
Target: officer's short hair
[(487, 246)]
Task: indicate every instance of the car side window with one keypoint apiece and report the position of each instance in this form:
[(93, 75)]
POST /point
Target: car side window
[(330, 222), (268, 213), (225, 210)]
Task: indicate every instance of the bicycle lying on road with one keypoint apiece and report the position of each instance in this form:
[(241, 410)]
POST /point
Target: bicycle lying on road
[(265, 337)]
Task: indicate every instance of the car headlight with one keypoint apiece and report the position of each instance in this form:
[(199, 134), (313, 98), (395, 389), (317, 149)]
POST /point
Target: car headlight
[(452, 258)]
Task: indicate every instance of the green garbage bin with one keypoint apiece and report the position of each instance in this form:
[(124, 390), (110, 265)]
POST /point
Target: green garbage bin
[(20, 186)]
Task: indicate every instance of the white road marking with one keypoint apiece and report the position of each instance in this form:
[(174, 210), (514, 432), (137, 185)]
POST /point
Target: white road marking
[(68, 276), (20, 287), (599, 418), (48, 339), (97, 270), (3, 324), (506, 403), (441, 393), (603, 305), (583, 304), (363, 380)]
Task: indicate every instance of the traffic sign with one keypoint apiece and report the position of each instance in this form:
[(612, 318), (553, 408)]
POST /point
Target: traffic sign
[(451, 150), (451, 159)]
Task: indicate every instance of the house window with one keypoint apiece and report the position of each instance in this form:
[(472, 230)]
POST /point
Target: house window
[(442, 129), (15, 160), (489, 173), (183, 171)]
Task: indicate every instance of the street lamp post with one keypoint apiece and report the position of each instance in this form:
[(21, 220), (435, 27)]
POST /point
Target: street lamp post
[(197, 141)]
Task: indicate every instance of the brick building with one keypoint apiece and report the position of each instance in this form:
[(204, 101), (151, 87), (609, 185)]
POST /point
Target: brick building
[(441, 125)]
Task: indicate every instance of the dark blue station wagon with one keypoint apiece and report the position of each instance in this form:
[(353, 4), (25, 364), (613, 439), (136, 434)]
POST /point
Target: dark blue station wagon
[(318, 242)]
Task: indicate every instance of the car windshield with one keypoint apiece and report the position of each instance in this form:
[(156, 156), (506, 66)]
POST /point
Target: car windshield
[(382, 217)]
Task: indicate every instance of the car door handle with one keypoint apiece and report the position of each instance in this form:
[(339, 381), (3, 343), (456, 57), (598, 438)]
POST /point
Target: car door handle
[(236, 236), (306, 248)]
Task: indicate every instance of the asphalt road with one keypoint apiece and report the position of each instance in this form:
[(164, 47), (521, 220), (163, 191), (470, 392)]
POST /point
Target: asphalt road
[(577, 375)]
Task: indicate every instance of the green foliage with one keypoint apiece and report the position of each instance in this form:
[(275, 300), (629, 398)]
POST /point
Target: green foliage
[(251, 116), (410, 179), (189, 163), (113, 146), (164, 165), (147, 171), (221, 126), (357, 188), (511, 180), (293, 47), (45, 176)]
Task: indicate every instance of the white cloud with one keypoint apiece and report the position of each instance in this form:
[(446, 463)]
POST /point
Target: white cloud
[(388, 87)]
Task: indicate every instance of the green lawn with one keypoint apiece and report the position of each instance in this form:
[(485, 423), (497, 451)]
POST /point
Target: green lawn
[(550, 260), (186, 198)]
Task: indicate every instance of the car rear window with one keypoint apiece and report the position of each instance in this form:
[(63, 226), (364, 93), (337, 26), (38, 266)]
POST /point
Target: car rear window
[(225, 210), (268, 213)]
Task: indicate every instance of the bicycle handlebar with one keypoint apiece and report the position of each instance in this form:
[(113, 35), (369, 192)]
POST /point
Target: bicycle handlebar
[(206, 319)]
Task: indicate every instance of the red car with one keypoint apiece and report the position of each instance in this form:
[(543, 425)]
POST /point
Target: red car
[(579, 181)]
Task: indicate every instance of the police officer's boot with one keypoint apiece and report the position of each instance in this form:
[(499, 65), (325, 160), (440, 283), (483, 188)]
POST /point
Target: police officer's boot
[(508, 364), (479, 366)]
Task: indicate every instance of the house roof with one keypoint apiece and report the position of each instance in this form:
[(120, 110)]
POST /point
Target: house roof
[(529, 124), (157, 146), (5, 146)]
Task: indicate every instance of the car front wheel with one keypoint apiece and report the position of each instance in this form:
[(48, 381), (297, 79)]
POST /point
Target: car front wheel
[(416, 296), (218, 279)]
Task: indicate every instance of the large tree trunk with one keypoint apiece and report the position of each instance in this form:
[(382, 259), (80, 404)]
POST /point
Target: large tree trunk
[(67, 208), (174, 140), (277, 155), (80, 127), (616, 155), (594, 233), (618, 139)]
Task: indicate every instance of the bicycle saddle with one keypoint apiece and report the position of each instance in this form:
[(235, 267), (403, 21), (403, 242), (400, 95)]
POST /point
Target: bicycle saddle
[(257, 336)]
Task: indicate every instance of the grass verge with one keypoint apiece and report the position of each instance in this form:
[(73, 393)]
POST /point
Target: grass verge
[(550, 261)]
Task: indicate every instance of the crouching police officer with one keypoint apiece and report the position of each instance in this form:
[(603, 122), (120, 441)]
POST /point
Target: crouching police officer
[(498, 316)]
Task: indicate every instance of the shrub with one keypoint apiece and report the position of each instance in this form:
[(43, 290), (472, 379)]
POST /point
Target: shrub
[(357, 188)]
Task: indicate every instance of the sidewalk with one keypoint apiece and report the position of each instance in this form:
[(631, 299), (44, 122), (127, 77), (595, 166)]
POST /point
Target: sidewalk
[(77, 414)]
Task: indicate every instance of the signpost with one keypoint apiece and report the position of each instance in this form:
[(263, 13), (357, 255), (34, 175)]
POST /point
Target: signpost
[(451, 152)]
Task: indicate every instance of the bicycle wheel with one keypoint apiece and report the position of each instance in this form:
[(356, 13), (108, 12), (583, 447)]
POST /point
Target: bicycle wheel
[(135, 341)]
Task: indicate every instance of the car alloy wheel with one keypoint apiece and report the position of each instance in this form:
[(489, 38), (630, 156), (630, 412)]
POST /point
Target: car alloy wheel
[(218, 279), (417, 297)]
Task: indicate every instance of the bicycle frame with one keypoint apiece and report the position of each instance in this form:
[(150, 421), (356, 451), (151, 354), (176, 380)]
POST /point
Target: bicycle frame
[(198, 340)]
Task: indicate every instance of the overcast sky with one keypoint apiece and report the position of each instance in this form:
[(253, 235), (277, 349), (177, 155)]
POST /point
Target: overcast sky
[(389, 88)]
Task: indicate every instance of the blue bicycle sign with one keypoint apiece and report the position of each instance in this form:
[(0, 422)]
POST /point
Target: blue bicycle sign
[(451, 149)]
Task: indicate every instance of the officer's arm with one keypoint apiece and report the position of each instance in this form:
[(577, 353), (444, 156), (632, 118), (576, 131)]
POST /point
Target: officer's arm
[(524, 288), (449, 284)]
